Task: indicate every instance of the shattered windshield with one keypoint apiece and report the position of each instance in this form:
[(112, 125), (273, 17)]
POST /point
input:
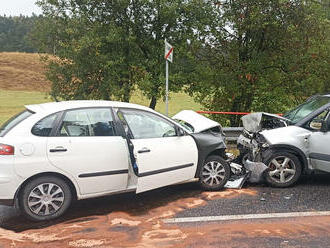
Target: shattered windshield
[(306, 108)]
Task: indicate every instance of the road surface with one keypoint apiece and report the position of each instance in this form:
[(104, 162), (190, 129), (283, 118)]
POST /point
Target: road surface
[(130, 220)]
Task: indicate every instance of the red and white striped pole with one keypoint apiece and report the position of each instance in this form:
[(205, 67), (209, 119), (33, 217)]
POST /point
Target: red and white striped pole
[(168, 57)]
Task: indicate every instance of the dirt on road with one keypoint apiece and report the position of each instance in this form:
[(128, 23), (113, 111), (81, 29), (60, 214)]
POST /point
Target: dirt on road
[(131, 222)]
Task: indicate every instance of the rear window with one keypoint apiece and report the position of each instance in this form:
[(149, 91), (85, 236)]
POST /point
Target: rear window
[(12, 122), (44, 127)]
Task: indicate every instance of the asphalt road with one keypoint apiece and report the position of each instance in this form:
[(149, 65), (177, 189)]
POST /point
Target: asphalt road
[(310, 194), (130, 220)]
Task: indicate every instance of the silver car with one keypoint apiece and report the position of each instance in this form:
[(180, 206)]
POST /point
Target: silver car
[(291, 145)]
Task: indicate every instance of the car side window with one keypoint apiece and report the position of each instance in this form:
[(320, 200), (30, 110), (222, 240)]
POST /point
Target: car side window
[(44, 126), (87, 122), (316, 122), (145, 125)]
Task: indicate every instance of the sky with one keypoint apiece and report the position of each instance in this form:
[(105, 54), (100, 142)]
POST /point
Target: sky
[(17, 7)]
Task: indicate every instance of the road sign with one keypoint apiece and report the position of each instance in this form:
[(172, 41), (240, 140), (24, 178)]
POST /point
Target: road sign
[(168, 52)]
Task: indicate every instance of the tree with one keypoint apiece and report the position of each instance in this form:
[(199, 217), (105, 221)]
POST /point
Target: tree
[(264, 56), (14, 33), (106, 49)]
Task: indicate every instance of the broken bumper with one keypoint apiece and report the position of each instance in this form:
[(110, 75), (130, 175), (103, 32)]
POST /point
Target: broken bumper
[(253, 173), (256, 170)]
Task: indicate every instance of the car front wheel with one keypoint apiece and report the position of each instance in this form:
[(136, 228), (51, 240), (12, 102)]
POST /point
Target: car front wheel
[(45, 198), (284, 169), (214, 173)]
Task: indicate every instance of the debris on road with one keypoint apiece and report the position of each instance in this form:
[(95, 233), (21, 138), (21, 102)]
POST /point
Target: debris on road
[(236, 182), (288, 197), (250, 171)]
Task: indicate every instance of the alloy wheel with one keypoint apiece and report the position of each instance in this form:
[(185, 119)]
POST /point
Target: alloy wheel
[(282, 169), (213, 173), (45, 199)]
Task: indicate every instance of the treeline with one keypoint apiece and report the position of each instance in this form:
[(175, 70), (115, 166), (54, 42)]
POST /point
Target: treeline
[(15, 33)]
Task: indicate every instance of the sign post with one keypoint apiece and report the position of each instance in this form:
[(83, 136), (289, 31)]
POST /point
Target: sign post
[(168, 57)]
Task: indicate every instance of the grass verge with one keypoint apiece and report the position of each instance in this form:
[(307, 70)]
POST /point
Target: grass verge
[(12, 102)]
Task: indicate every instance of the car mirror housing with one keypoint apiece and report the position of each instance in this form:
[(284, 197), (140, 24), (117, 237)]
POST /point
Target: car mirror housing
[(324, 127), (180, 131)]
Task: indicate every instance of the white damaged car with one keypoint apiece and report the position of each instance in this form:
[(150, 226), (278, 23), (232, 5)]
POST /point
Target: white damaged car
[(53, 153), (289, 146)]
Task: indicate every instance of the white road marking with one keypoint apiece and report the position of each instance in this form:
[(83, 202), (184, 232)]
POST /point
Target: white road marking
[(247, 217)]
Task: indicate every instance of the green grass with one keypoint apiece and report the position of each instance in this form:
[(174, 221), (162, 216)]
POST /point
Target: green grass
[(12, 102), (177, 102)]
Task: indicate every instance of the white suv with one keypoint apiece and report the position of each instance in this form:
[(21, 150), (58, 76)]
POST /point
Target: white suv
[(53, 153), (292, 145)]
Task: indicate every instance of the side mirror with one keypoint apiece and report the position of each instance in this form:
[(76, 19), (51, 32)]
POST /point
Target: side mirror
[(324, 127), (180, 131)]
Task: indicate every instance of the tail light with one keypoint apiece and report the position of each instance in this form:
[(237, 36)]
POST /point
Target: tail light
[(6, 149)]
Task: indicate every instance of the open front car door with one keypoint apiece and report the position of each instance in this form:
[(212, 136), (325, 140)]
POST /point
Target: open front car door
[(163, 157)]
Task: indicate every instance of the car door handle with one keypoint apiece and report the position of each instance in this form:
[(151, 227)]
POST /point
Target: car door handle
[(143, 150), (58, 149)]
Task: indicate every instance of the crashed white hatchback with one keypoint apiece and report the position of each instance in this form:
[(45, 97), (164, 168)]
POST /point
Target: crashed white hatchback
[(53, 153)]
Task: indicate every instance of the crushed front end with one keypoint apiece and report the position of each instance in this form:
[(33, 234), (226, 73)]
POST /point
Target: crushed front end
[(251, 142), (252, 145)]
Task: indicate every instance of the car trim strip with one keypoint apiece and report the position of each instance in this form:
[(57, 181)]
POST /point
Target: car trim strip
[(319, 156), (103, 173), (149, 173)]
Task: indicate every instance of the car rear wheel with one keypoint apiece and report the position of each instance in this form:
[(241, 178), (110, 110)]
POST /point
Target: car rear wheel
[(214, 173), (45, 198), (284, 169)]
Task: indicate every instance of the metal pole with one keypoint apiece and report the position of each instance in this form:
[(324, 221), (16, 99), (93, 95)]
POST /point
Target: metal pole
[(166, 102)]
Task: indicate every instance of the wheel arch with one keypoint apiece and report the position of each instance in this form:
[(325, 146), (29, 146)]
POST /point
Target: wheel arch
[(55, 174), (220, 151), (294, 150)]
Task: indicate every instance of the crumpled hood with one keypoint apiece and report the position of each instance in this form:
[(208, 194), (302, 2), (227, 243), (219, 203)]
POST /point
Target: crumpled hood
[(253, 122), (291, 135), (199, 122)]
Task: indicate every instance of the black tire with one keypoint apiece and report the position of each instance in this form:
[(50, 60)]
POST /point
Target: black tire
[(218, 180), (47, 200), (274, 179)]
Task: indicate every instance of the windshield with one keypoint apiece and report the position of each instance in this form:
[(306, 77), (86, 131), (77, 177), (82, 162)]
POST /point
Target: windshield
[(306, 108), (12, 122), (185, 125)]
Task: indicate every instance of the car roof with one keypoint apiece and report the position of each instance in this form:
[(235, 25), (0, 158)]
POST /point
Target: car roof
[(52, 107)]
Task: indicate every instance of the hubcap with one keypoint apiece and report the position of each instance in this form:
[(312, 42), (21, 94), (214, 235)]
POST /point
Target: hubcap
[(46, 199), (213, 173), (282, 169)]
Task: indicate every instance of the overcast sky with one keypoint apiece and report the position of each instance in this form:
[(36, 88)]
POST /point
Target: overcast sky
[(17, 7)]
